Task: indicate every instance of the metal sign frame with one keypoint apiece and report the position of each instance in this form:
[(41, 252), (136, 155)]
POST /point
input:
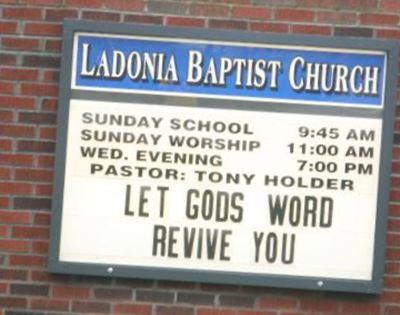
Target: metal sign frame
[(387, 115)]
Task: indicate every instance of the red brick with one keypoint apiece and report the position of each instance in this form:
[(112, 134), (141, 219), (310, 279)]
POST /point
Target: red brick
[(356, 4), (17, 74), (393, 225), (353, 31), (43, 29), (27, 260), (51, 75), (236, 300), (396, 150), (39, 89), (5, 115), (34, 175), (30, 232), (274, 302), (70, 292), (217, 10), (320, 4), (392, 310), (20, 43), (395, 195), (390, 297), (101, 16), (215, 287), (319, 305), (390, 5), (48, 133), (246, 312), (243, 2), (5, 145), (392, 282), (22, 13), (337, 17), (40, 247), (360, 308), (252, 13), (36, 146), (37, 118), (137, 309), (392, 254), (8, 27), (3, 288), (13, 302), (144, 19), (294, 15), (154, 296), (45, 276), (46, 161), (185, 21), (13, 217), (167, 7), (5, 173), (4, 202), (16, 246), (3, 231), (29, 289), (17, 131), (392, 268), (113, 293), (228, 24), (394, 210), (269, 27), (173, 310), (6, 88), (393, 240), (60, 14), (312, 29), (16, 102), (216, 311), (8, 59), (49, 305), (389, 34), (125, 5), (396, 167), (195, 298), (395, 182), (15, 188), (42, 2), (377, 19), (53, 45), (91, 307), (16, 159), (42, 219), (84, 4), (49, 104), (31, 203)]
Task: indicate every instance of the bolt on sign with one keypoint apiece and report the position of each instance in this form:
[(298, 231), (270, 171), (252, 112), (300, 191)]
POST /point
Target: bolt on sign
[(222, 156)]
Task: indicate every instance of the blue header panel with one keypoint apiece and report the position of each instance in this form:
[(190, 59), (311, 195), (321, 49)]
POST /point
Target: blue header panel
[(289, 74)]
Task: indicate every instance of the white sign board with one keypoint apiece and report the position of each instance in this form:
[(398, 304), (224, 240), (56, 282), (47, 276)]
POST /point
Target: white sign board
[(224, 190)]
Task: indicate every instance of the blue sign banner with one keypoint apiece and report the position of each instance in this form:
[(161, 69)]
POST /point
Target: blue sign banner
[(288, 74)]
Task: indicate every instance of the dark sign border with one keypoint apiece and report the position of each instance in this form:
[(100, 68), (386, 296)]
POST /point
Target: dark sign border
[(268, 280)]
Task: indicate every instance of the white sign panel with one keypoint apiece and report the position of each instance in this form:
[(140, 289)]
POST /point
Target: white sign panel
[(224, 190)]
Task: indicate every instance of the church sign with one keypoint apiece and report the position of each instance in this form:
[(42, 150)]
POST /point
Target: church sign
[(221, 156)]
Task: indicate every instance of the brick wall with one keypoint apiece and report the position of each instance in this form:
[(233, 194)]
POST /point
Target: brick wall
[(30, 43)]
